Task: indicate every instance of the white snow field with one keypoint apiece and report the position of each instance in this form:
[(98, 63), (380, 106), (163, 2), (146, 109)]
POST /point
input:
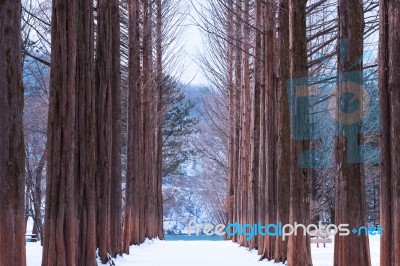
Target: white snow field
[(201, 253)]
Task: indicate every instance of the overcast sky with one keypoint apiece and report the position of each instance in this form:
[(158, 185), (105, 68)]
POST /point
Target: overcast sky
[(193, 47)]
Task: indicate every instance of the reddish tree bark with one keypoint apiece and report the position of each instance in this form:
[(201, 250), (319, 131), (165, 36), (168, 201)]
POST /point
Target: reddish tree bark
[(147, 192), (132, 204), (12, 155), (389, 94), (283, 130), (37, 198), (350, 185), (116, 177), (238, 119), (259, 96), (299, 250), (232, 131), (245, 104), (159, 107), (269, 123), (86, 137), (109, 128), (256, 125), (59, 243), (104, 126), (70, 220)]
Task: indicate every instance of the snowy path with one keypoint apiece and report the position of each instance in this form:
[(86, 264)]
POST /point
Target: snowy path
[(202, 253), (175, 253), (190, 253)]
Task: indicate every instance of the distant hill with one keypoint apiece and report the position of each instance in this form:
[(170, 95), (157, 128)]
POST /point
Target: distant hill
[(195, 94)]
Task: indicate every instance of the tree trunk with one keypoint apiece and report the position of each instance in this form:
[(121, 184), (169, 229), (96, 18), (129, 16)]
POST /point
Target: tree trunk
[(299, 250), (159, 139), (389, 94), (105, 86), (37, 197), (70, 221), (246, 127), (256, 123), (116, 178), (238, 109), (350, 186), (59, 243), (232, 129), (86, 137), (147, 195), (262, 208), (12, 154), (132, 203), (283, 130), (270, 136)]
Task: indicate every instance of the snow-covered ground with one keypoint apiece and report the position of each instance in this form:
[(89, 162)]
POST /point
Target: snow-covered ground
[(324, 256), (34, 254), (201, 253)]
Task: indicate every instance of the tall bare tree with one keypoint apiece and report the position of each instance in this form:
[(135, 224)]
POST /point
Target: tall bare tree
[(109, 129), (131, 220), (299, 249), (282, 129), (116, 176), (158, 149), (147, 201), (350, 185), (70, 220), (389, 94), (59, 243), (268, 107), (85, 134), (143, 205), (12, 155)]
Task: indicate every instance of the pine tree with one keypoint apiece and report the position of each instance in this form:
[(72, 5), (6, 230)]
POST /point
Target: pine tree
[(178, 124)]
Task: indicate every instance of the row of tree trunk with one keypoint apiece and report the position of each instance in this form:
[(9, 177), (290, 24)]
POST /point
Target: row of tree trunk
[(143, 204), (83, 195), (84, 182), (83, 164), (267, 184)]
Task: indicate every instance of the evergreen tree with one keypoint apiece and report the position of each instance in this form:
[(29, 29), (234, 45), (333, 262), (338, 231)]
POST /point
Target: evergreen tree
[(178, 124)]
